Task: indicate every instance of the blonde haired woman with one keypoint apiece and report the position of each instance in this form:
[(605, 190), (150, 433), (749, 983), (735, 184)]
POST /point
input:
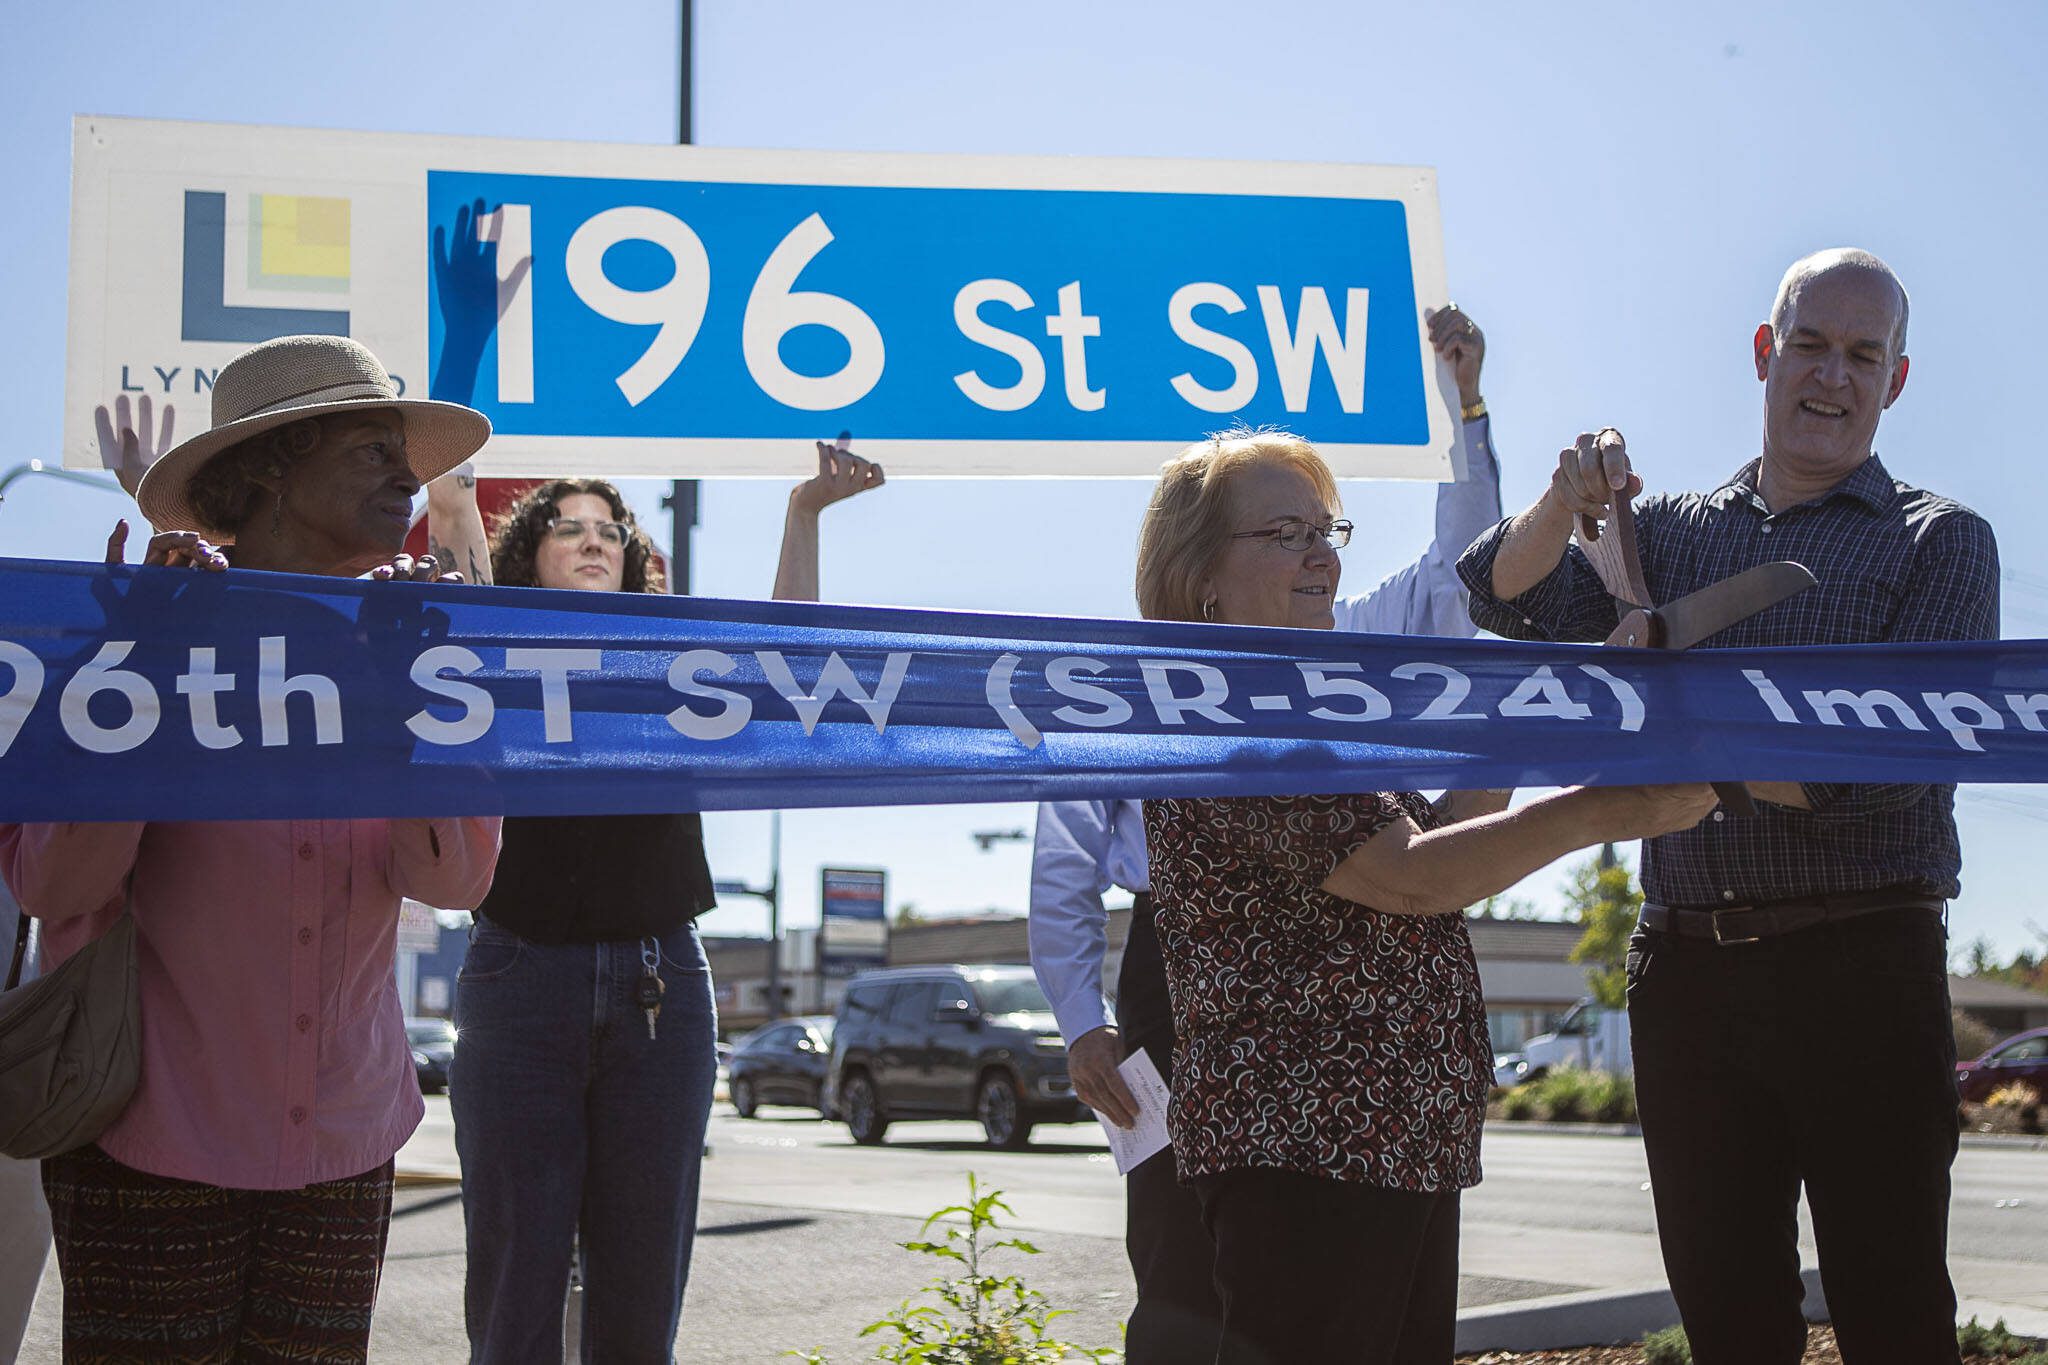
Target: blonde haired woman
[(1333, 1064)]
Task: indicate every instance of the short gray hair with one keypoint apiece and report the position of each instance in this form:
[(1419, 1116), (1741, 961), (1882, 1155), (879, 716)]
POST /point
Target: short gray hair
[(1809, 268)]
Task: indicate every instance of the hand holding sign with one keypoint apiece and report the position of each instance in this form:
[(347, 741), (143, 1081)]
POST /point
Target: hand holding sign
[(1458, 340), (173, 549), (841, 474)]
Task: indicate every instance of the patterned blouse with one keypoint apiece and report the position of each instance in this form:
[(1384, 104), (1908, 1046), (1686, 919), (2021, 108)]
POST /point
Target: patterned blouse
[(1316, 1035)]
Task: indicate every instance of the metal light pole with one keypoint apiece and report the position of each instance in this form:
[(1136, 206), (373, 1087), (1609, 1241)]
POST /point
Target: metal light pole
[(770, 895), (681, 501)]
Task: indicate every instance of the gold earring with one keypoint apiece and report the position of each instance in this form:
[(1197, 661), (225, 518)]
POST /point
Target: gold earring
[(1209, 610)]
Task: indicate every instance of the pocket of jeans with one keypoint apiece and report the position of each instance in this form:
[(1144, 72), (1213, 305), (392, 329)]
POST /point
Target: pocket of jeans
[(493, 952), (1637, 965), (1909, 947)]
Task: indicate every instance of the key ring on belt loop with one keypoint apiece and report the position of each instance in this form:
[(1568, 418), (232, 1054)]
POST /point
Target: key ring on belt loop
[(650, 954)]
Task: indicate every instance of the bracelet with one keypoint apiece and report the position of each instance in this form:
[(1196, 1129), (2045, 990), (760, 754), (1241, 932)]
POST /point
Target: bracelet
[(1473, 410)]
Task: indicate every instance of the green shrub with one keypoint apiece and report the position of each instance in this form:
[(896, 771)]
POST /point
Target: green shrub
[(1519, 1103), (1611, 1098), (1668, 1347), (1563, 1095), (986, 1319), (1996, 1343)]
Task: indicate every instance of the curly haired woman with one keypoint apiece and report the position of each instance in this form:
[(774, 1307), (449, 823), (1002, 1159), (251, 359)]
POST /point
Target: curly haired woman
[(578, 1122)]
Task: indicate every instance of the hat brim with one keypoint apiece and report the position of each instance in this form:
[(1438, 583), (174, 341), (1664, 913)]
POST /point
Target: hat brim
[(438, 437)]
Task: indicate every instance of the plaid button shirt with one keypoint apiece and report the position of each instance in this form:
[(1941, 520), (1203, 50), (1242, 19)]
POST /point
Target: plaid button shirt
[(1894, 563)]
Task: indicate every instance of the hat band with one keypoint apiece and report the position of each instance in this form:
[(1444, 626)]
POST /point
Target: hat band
[(325, 393)]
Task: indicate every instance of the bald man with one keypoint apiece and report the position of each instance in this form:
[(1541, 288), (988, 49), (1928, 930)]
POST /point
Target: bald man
[(1773, 948)]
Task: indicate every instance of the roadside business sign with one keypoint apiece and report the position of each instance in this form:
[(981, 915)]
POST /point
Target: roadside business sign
[(853, 925), (644, 310)]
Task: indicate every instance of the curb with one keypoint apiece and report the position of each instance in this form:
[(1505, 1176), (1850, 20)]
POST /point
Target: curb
[(2014, 1141), (1598, 1317), (419, 1177)]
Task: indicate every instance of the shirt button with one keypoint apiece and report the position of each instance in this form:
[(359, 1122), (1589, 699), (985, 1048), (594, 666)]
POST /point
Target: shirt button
[(298, 1113), (1727, 895), (305, 935), (306, 852), (304, 1021), (1527, 622), (1719, 816), (1767, 528)]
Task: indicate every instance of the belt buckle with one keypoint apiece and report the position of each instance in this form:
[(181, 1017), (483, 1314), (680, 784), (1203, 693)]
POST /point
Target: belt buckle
[(1721, 938)]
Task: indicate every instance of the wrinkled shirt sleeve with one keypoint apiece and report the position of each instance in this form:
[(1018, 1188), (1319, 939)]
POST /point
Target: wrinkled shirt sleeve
[(446, 863), (1427, 597), (1068, 927)]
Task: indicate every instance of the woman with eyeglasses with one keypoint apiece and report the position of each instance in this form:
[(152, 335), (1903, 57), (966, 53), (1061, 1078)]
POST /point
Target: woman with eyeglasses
[(580, 1119), (1333, 1062)]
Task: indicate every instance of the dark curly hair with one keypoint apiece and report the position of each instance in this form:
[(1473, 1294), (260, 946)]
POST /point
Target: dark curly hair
[(224, 493), (516, 535)]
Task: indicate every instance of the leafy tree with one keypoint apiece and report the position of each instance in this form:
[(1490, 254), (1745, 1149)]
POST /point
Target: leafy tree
[(1603, 892)]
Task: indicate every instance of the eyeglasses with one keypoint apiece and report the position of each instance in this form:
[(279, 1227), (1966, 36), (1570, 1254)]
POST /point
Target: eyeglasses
[(569, 529), (1301, 535)]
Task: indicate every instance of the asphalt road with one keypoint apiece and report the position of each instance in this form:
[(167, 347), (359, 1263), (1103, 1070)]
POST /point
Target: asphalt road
[(797, 1237)]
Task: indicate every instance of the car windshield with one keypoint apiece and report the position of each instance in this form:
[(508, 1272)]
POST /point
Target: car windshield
[(1011, 995), (430, 1031)]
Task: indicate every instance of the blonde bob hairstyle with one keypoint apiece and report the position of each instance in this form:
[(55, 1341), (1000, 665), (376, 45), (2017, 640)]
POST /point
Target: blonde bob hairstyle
[(1193, 513)]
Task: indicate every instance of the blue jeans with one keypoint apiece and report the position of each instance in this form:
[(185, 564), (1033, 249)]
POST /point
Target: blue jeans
[(567, 1119)]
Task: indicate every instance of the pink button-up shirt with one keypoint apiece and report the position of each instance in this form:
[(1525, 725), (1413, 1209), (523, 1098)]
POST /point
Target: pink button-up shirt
[(273, 1045)]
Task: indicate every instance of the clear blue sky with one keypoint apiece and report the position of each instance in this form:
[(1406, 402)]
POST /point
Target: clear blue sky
[(1622, 185)]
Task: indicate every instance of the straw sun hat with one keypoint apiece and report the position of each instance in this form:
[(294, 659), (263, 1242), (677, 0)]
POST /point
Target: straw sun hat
[(287, 380)]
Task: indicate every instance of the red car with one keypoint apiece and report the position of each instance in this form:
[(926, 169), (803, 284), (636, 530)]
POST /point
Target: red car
[(2020, 1058)]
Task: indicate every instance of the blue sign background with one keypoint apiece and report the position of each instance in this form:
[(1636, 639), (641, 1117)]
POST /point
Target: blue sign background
[(902, 255)]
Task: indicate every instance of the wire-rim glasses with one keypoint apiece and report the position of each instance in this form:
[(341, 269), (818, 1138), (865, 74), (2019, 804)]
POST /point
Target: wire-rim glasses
[(1301, 535)]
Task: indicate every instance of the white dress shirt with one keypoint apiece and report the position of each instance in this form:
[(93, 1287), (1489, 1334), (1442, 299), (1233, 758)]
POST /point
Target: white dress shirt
[(1082, 848)]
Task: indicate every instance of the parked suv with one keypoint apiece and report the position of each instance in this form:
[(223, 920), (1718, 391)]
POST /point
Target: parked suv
[(948, 1043)]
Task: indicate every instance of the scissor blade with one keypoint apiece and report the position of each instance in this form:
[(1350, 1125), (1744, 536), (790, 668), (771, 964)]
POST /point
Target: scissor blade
[(1612, 553), (1714, 608)]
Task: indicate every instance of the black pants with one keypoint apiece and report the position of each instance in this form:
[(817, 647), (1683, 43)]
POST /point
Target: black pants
[(1178, 1317), (1314, 1269), (1823, 1058)]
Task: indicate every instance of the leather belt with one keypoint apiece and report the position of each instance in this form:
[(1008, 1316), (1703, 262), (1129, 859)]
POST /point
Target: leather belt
[(1732, 924)]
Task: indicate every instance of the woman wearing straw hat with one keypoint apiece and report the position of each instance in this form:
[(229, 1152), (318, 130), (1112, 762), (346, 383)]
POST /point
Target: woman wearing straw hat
[(238, 1208)]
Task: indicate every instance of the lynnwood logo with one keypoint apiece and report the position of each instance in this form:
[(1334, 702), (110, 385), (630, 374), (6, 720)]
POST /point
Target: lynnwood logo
[(279, 268)]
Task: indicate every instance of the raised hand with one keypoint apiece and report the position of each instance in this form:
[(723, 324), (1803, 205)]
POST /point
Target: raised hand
[(1458, 340), (129, 447), (841, 474)]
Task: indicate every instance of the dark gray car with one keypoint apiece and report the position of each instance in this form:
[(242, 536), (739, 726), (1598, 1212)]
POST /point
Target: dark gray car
[(949, 1042)]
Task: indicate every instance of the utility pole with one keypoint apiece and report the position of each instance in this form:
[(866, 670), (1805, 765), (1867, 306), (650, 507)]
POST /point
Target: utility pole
[(681, 501), (771, 896)]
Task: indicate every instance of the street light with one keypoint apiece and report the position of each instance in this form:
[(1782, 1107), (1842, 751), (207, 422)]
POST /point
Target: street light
[(22, 471), (989, 838), (772, 895)]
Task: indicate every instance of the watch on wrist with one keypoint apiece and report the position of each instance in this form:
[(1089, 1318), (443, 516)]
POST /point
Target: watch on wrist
[(1473, 410)]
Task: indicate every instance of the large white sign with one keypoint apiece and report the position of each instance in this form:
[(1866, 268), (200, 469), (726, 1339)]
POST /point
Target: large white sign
[(633, 310)]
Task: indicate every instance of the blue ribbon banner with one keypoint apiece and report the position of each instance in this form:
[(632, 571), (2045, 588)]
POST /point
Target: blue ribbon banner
[(160, 694)]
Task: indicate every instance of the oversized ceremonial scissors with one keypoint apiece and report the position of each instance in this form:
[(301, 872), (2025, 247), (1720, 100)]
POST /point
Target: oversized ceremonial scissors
[(1683, 623)]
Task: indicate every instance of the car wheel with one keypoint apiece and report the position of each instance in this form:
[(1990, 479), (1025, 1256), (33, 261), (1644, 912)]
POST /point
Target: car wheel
[(1001, 1113), (863, 1110), (743, 1097)]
